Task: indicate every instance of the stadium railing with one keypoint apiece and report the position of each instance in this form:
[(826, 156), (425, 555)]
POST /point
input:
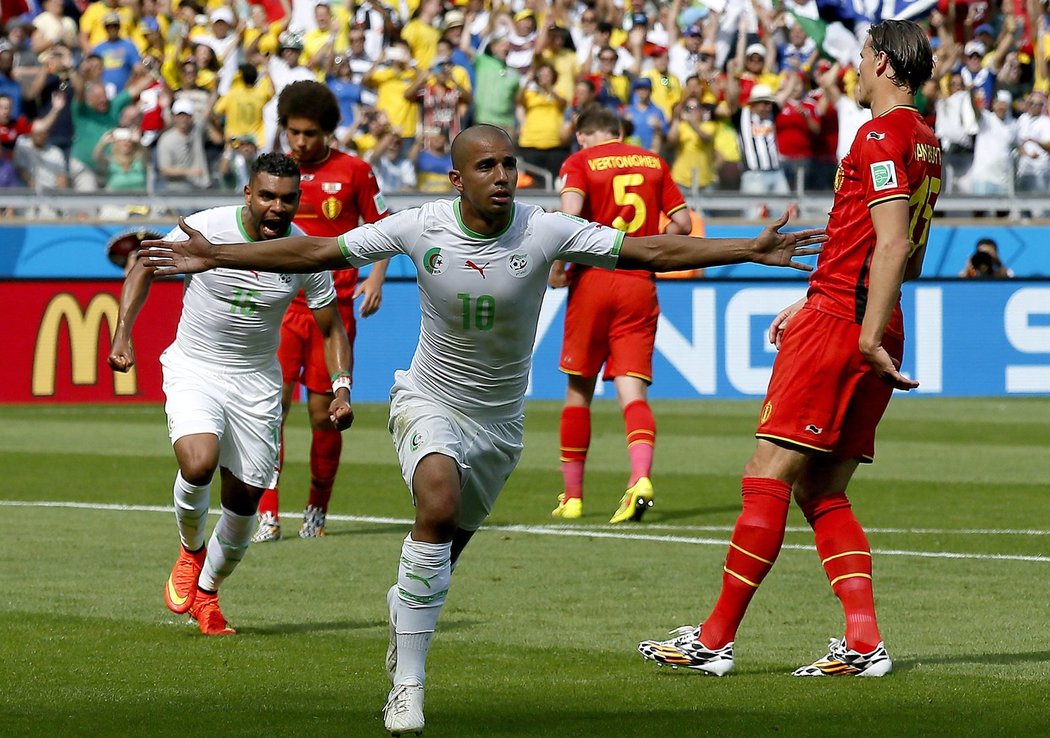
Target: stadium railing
[(812, 206)]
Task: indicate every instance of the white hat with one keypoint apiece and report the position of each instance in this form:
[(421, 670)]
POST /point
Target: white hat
[(1004, 96), (224, 15), (761, 93), (182, 105), (974, 47), (453, 18), (396, 54), (756, 49), (290, 40)]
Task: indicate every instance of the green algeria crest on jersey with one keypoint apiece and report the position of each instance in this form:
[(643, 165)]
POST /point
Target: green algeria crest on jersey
[(433, 261)]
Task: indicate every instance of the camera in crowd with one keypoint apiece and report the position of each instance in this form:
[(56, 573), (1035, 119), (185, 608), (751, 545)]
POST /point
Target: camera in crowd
[(985, 265)]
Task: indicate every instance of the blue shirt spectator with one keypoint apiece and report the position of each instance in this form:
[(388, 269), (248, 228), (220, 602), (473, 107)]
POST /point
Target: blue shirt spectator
[(119, 56), (346, 91), (8, 85), (648, 121)]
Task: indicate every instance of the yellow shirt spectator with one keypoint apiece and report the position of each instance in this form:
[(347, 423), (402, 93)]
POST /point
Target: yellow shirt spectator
[(422, 39), (363, 143), (390, 84), (243, 106), (140, 35), (91, 22), (544, 117), (314, 41), (564, 63), (694, 157), (667, 91), (726, 143), (265, 39)]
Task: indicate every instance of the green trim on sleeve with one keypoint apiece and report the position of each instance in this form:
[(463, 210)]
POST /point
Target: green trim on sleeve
[(618, 244), (342, 246)]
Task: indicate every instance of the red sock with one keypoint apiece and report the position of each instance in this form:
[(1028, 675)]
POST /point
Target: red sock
[(325, 449), (641, 438), (846, 556), (269, 500), (756, 542), (575, 436)]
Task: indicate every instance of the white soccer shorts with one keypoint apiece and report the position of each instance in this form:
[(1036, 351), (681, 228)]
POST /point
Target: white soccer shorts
[(486, 453), (242, 409)]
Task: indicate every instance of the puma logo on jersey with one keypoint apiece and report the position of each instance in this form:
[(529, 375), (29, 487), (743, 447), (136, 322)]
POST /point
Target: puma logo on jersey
[(480, 269)]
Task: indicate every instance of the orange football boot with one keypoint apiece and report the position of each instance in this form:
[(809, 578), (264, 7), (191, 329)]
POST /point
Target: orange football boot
[(181, 588), (209, 617)]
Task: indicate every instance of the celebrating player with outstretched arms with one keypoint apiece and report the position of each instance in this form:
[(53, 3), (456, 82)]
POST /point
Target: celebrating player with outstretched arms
[(456, 413)]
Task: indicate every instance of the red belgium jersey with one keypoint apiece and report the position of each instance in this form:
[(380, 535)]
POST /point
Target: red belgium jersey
[(338, 192), (894, 156), (623, 186)]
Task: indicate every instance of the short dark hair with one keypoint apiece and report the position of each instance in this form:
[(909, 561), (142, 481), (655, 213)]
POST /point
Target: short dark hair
[(278, 165), (309, 99), (249, 74), (595, 118), (908, 48)]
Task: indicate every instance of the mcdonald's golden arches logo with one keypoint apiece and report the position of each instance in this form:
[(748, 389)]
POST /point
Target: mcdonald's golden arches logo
[(83, 326)]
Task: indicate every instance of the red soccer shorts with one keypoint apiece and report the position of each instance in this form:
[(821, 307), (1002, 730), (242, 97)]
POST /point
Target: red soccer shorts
[(301, 352), (611, 318), (823, 395)]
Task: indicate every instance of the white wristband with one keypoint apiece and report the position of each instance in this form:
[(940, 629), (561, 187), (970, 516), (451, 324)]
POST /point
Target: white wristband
[(341, 382)]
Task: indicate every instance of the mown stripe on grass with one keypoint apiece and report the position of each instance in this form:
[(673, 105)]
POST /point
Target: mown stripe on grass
[(597, 531)]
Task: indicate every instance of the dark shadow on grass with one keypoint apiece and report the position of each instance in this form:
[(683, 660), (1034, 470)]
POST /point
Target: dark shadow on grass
[(663, 515), (369, 531), (335, 626), (317, 627), (1002, 659)]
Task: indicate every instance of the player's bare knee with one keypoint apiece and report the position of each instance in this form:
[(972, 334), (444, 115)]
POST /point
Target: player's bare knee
[(437, 516), (198, 457), (237, 496), (197, 468)]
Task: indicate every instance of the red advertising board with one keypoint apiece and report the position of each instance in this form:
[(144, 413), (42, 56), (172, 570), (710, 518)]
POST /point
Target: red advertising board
[(57, 334)]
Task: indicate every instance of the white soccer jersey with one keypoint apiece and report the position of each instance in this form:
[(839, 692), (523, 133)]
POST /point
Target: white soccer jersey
[(480, 296), (231, 318)]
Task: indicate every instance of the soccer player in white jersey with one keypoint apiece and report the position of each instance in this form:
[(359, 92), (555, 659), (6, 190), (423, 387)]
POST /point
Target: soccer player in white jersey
[(456, 413), (223, 383)]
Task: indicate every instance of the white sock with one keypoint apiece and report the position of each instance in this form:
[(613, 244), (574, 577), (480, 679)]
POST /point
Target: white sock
[(422, 585), (191, 511), (226, 548)]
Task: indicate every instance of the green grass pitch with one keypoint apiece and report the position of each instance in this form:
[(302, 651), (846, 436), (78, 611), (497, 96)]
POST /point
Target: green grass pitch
[(538, 636)]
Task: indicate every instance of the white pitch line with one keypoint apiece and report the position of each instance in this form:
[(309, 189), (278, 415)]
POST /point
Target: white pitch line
[(581, 532), (807, 529)]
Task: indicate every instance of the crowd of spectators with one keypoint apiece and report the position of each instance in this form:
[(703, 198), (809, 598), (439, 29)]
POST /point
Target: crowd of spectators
[(180, 95)]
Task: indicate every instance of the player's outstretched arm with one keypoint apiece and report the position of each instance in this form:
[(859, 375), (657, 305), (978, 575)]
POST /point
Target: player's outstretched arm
[(132, 297), (197, 254), (771, 247)]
